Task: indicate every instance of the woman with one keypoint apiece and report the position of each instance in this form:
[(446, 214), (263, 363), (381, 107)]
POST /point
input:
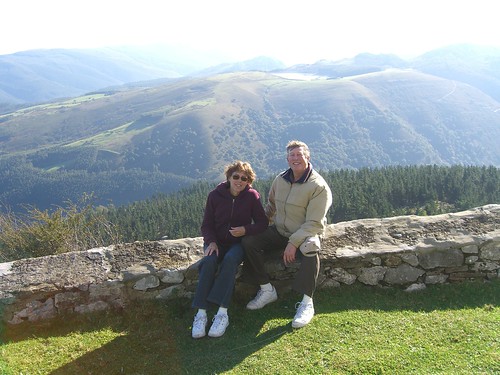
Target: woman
[(233, 210)]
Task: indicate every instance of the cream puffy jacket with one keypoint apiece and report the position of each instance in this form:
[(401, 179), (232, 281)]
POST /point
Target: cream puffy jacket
[(299, 210)]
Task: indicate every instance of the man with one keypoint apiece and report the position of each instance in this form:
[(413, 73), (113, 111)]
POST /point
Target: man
[(297, 205)]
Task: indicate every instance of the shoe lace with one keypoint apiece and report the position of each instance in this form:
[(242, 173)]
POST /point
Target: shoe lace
[(199, 321), (219, 319), (259, 295), (301, 307)]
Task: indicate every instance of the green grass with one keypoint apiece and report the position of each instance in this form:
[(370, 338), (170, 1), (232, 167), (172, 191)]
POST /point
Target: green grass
[(445, 329)]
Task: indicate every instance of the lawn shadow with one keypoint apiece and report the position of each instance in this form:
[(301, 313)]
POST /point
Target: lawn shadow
[(155, 337), (145, 342), (248, 332)]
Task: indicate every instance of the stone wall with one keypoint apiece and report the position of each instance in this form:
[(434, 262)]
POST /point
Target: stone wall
[(409, 252)]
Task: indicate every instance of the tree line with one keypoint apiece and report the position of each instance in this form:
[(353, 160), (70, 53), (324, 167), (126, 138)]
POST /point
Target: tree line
[(357, 194)]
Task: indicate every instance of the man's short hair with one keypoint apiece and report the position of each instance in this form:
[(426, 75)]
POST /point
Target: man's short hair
[(295, 144)]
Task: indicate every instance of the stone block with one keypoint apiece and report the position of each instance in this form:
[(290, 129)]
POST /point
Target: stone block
[(436, 279), (430, 259), (171, 292), (490, 251), (172, 276), (372, 275), (66, 302), (92, 307), (136, 272), (342, 276), (416, 287), (148, 282), (470, 249), (402, 274)]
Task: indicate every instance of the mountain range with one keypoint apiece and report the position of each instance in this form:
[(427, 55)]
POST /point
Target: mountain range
[(37, 76), (157, 133)]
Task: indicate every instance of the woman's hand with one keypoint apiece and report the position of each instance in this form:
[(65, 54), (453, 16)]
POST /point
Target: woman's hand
[(289, 253), (237, 231), (212, 248)]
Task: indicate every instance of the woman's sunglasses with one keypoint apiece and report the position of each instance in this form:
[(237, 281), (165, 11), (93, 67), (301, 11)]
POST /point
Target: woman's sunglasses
[(237, 177)]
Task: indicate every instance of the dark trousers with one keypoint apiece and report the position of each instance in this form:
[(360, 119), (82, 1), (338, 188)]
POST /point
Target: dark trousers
[(218, 287), (271, 241)]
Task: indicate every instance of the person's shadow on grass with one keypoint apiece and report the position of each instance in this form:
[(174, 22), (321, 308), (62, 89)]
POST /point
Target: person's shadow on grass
[(154, 337)]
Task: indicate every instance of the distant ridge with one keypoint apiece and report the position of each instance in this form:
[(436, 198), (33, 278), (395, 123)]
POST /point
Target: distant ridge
[(133, 140), (43, 75), (37, 76)]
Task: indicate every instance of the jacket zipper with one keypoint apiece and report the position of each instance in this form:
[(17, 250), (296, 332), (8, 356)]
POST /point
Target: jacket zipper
[(230, 218), (284, 207)]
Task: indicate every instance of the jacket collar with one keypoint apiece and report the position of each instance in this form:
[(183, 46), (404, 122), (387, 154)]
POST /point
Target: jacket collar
[(288, 175), (223, 188)]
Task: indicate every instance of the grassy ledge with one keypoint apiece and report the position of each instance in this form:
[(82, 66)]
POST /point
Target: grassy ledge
[(445, 329)]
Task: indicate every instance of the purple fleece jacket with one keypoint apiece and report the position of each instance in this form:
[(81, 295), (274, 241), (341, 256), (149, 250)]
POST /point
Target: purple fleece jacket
[(224, 211)]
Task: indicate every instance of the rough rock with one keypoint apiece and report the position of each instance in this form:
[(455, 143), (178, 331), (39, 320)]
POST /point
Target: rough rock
[(409, 252)]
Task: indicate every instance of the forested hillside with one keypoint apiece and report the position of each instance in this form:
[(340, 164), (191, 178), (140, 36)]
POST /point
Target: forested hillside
[(367, 193), (127, 146)]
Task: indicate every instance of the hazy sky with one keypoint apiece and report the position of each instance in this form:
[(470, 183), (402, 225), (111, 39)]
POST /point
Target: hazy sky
[(293, 31)]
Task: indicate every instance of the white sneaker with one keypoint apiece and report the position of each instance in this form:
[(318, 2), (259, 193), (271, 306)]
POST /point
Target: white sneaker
[(262, 298), (305, 312), (219, 325), (199, 326)]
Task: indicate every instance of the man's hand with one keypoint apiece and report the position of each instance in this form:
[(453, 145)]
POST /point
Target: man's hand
[(289, 254)]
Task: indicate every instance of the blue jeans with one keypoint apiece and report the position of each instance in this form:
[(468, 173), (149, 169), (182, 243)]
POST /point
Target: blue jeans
[(218, 287)]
